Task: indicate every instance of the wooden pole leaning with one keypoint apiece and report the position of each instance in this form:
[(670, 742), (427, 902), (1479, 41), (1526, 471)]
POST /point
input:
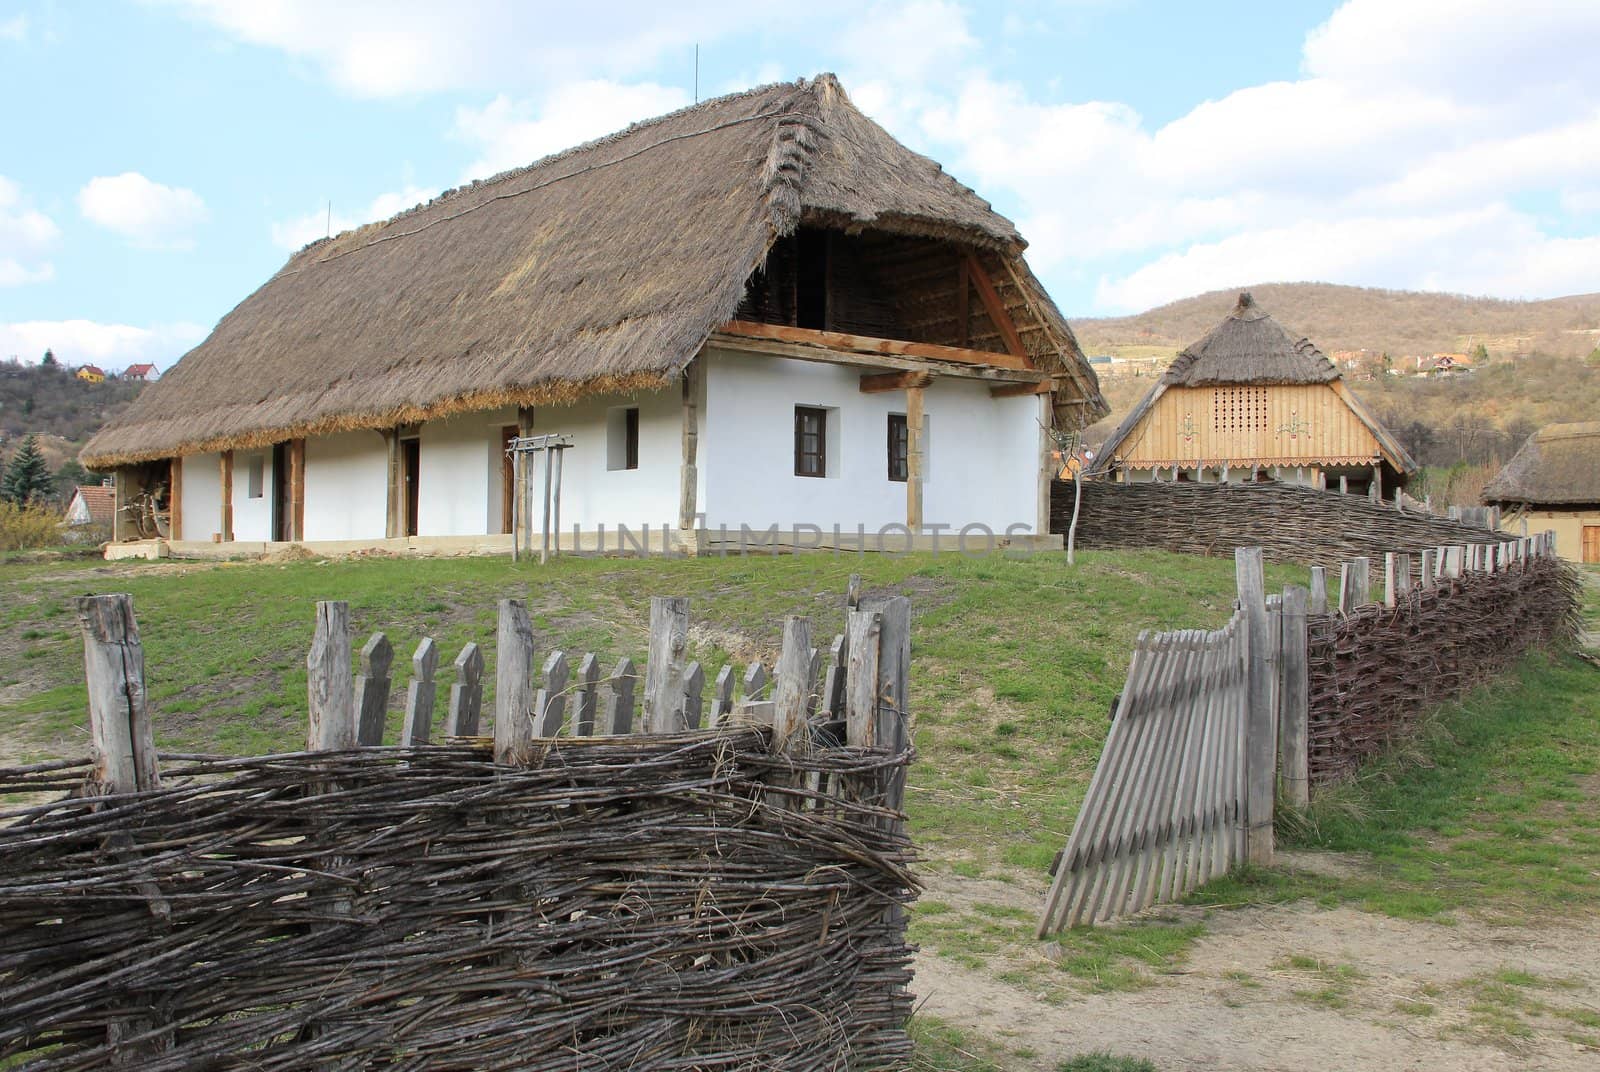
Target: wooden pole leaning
[(1261, 733)]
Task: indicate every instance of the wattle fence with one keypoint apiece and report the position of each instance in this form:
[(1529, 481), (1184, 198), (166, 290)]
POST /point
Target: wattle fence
[(546, 899), (1212, 730)]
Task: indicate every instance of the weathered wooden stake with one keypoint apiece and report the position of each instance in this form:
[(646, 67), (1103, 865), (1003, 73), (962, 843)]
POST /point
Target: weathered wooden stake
[(1294, 700), (513, 684), (1319, 591), (791, 695), (119, 710), (1430, 567), (550, 702), (833, 682), (372, 690), (861, 678), (1261, 731), (330, 692), (694, 683), (722, 696), (588, 685), (617, 713), (663, 672), (466, 694), (420, 695), (892, 731), (755, 683)]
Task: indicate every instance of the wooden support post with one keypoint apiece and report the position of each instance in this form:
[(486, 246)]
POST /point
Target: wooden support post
[(1318, 603), (513, 684), (914, 459), (863, 630), (587, 706), (119, 710), (689, 475), (227, 497), (1455, 560), (755, 683), (1344, 484), (394, 502), (1261, 731), (297, 489), (722, 697), (330, 692), (663, 672), (1399, 500), (964, 302), (372, 690), (1294, 710), (998, 315), (420, 695), (466, 694), (1430, 567), (791, 694), (893, 729), (175, 499), (617, 706), (694, 684), (550, 702), (833, 682), (1390, 584)]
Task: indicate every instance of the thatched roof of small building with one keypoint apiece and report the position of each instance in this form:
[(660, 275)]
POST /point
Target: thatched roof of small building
[(601, 268), (1250, 348), (1559, 465)]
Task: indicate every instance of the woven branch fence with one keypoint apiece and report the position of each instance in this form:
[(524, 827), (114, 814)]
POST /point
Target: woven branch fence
[(1289, 523), (727, 898), (1212, 730)]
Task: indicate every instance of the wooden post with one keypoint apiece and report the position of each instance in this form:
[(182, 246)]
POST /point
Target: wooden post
[(297, 489), (722, 697), (1261, 731), (694, 683), (395, 495), (1344, 484), (372, 690), (1399, 501), (227, 496), (588, 685), (1454, 560), (1430, 567), (1318, 603), (550, 702), (1294, 709), (466, 694), (1390, 564), (892, 731), (833, 683), (175, 499), (119, 710), (513, 684), (420, 695), (689, 475), (1048, 469), (755, 682), (791, 694), (914, 448), (330, 692), (864, 629), (663, 672), (617, 716)]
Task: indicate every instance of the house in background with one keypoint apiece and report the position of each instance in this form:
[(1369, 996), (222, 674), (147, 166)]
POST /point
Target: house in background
[(1251, 401), (761, 311), (91, 506), (141, 372), (1553, 482), (91, 374)]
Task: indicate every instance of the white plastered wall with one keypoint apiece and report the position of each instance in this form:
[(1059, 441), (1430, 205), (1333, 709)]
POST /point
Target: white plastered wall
[(202, 496), (252, 514), (981, 453), (347, 496)]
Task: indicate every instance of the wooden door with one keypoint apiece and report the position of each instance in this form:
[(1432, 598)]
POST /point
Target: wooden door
[(410, 471), (282, 508), (1591, 544), (508, 479)]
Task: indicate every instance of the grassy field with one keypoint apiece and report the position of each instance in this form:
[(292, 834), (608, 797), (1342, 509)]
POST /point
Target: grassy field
[(1494, 809)]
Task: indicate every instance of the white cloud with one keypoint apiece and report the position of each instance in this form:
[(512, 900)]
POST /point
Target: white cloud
[(148, 213), (294, 233), (111, 346), (14, 28), (512, 133), (381, 48), (26, 237)]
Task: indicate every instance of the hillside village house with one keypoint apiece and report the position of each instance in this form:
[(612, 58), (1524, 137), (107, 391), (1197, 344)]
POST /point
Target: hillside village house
[(91, 374), (1553, 482), (141, 371), (759, 311), (1250, 401)]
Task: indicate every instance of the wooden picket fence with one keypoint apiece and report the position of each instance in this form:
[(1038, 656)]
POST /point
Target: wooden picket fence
[(1214, 728)]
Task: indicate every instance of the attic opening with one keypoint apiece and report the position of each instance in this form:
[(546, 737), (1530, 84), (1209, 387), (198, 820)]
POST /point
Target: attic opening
[(879, 285)]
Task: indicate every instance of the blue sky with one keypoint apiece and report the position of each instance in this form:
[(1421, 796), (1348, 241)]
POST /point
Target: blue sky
[(160, 159)]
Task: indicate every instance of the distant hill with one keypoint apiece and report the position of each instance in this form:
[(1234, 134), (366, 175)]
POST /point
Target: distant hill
[(1397, 322), (64, 411)]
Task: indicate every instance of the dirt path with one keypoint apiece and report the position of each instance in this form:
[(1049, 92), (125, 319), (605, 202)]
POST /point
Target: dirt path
[(1296, 987)]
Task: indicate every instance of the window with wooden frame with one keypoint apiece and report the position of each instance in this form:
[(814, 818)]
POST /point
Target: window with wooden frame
[(622, 438), (899, 448), (810, 441)]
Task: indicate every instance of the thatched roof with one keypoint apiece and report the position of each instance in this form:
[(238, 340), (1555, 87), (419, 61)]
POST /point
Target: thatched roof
[(1558, 465), (1249, 347), (601, 268)]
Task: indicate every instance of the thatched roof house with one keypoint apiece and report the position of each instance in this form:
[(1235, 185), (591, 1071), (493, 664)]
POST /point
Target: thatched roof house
[(607, 270), (1553, 482), (1250, 398)]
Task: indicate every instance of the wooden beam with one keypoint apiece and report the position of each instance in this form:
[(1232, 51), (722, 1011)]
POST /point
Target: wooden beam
[(822, 355), (393, 498), (865, 344), (1012, 390), (914, 449), (297, 489), (963, 302), (175, 499), (878, 382), (996, 309), (689, 475), (227, 496)]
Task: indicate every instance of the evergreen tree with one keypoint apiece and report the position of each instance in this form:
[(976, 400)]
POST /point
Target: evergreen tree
[(27, 478), (49, 357), (1479, 354)]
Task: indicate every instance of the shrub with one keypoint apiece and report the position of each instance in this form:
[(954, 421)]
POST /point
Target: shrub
[(22, 527)]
